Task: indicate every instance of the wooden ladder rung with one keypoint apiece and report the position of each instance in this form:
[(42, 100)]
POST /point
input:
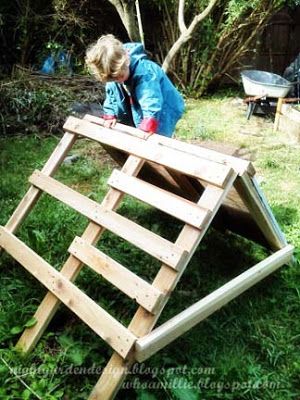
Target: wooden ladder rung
[(151, 243), (135, 287), (99, 320), (189, 164), (180, 208)]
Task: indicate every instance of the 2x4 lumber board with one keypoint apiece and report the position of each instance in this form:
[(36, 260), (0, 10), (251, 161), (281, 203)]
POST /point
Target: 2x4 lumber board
[(181, 323), (188, 164), (163, 200), (140, 237), (102, 323), (132, 285), (33, 193), (119, 127), (239, 165), (72, 266), (142, 323), (255, 201)]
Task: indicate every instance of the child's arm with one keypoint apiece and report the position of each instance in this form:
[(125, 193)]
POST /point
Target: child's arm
[(149, 96), (109, 108)]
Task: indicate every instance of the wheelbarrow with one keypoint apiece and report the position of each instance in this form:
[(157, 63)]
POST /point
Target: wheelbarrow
[(262, 85)]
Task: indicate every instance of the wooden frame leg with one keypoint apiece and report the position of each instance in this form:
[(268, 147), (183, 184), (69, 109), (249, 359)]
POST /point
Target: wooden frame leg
[(33, 193), (187, 319), (278, 113)]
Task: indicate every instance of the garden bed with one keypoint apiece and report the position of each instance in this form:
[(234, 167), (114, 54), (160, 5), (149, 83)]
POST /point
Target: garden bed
[(289, 121)]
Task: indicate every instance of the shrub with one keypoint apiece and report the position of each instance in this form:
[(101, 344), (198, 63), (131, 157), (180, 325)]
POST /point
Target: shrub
[(35, 103)]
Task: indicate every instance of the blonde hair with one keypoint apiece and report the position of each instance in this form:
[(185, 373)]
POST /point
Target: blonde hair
[(106, 58)]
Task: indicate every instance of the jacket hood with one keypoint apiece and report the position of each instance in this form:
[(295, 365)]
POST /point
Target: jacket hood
[(136, 52)]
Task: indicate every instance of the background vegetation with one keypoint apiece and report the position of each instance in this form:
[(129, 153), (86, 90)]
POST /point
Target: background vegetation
[(30, 30)]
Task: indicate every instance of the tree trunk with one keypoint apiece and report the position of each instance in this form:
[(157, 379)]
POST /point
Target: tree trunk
[(126, 11)]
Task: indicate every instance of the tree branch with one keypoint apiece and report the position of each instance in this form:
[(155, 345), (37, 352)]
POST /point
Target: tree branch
[(181, 23), (186, 33)]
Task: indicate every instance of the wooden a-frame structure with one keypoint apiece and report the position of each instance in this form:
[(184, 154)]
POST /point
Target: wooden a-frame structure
[(196, 185)]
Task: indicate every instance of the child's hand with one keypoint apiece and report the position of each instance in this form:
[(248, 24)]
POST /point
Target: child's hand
[(149, 124), (110, 123)]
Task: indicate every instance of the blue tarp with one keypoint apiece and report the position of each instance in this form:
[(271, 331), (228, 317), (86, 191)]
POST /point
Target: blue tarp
[(60, 62)]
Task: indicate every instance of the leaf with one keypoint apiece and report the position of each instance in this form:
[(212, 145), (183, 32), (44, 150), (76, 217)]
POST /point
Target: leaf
[(3, 369), (26, 394), (31, 322), (77, 356), (183, 390), (16, 330), (65, 341)]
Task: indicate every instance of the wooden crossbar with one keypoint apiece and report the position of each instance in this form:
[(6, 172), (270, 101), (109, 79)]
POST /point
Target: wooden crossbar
[(189, 164), (179, 179), (119, 127), (136, 288), (146, 240), (161, 199), (239, 165), (187, 319), (109, 329)]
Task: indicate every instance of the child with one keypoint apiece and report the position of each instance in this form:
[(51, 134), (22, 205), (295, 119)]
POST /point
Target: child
[(138, 92)]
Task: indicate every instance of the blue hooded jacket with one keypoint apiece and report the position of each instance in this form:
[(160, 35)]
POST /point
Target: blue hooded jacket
[(148, 93)]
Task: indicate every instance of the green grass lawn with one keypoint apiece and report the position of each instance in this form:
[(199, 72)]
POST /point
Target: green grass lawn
[(247, 350)]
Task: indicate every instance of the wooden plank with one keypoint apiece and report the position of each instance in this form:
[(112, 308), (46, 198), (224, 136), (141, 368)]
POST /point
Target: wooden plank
[(278, 113), (107, 386), (110, 330), (72, 266), (33, 193), (171, 204), (132, 285), (142, 238), (188, 164), (239, 165), (255, 201), (181, 323), (119, 127)]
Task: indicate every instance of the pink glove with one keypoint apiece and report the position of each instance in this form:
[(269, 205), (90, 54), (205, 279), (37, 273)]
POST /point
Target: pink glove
[(149, 125)]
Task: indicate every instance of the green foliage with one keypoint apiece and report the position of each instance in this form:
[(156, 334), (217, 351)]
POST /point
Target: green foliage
[(31, 30), (24, 108), (28, 104), (219, 44), (29, 26)]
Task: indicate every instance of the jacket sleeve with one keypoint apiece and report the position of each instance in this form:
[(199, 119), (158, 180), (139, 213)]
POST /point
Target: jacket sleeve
[(110, 103), (149, 96)]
